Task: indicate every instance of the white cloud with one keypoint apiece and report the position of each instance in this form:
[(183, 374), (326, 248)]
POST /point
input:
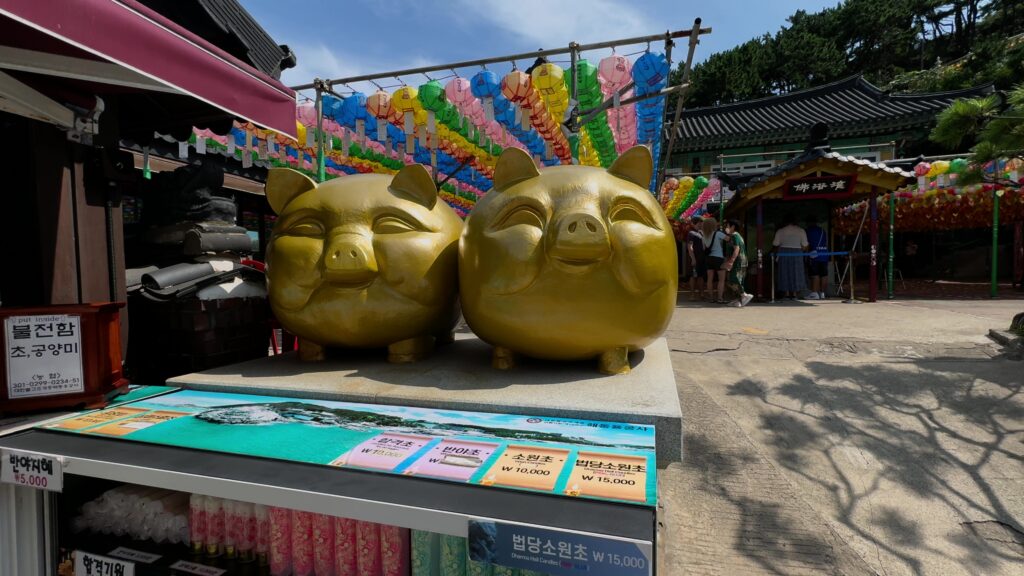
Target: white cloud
[(319, 61), (547, 24)]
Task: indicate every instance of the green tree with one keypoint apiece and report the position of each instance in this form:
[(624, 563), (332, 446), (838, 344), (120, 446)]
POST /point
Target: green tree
[(901, 43), (993, 125)]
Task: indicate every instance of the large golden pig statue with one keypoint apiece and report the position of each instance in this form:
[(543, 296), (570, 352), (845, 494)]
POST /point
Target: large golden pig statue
[(568, 262), (364, 261)]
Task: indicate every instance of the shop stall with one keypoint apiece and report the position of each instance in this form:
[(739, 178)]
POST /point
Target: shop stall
[(190, 482), (809, 186)]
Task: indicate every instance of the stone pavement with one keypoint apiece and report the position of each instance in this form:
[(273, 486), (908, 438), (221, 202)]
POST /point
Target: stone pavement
[(831, 438)]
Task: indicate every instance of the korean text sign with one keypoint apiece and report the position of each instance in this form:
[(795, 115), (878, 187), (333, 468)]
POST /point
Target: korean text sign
[(557, 552), (44, 355)]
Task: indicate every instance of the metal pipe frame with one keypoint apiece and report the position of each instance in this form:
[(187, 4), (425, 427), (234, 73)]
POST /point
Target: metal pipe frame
[(684, 83), (511, 57)]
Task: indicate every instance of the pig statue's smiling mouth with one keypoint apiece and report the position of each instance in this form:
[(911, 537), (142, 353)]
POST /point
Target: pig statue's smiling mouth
[(576, 265), (349, 285)]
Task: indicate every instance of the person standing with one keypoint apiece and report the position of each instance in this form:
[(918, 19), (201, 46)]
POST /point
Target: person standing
[(736, 264), (790, 239), (817, 238), (698, 262), (713, 242)]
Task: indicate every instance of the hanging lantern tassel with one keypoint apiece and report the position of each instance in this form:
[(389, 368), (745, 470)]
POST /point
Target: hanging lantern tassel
[(346, 143), (431, 122), (410, 131), (231, 144), (183, 150), (433, 160), (147, 173), (310, 138), (489, 109), (421, 133), (361, 131), (200, 144), (247, 151), (519, 115)]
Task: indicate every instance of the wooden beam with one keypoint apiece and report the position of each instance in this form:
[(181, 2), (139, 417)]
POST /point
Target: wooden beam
[(19, 98), (49, 64)]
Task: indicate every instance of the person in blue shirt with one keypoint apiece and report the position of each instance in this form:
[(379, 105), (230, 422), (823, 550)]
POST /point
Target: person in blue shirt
[(817, 238)]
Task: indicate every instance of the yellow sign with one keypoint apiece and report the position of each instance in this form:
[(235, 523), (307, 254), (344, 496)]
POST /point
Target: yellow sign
[(527, 467), (136, 423), (603, 475), (96, 418)]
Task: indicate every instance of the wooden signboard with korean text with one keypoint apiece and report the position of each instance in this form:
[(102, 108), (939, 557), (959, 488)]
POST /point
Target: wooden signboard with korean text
[(830, 187)]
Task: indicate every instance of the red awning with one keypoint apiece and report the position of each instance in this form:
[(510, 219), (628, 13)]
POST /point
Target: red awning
[(133, 36)]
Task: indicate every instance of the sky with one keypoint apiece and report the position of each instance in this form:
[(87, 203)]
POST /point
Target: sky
[(340, 38)]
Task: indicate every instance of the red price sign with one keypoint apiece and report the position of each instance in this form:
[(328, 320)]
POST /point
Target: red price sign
[(31, 469)]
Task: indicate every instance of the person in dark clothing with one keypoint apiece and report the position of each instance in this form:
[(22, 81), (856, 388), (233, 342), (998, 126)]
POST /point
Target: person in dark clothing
[(698, 263)]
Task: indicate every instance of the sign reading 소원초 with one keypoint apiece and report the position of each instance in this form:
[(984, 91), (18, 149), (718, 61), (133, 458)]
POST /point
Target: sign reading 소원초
[(44, 355), (31, 469)]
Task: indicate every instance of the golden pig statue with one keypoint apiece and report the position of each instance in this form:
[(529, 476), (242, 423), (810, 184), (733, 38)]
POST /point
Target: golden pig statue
[(568, 262), (364, 261)]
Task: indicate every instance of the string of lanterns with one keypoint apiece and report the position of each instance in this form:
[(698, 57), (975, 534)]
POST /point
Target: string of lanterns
[(462, 126), (938, 202)]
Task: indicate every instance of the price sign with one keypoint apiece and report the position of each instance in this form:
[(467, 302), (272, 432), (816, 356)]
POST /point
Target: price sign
[(44, 355), (89, 564), (31, 469), (527, 467), (134, 555), (557, 552), (617, 476), (193, 568)]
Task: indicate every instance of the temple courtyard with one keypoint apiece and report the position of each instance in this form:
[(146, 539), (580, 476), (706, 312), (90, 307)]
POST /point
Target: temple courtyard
[(832, 438)]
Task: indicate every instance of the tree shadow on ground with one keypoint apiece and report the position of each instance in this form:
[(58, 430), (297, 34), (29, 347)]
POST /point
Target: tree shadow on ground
[(769, 532), (941, 430)]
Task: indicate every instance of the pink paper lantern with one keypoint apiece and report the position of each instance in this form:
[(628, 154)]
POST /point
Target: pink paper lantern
[(306, 113), (614, 72), (459, 91)]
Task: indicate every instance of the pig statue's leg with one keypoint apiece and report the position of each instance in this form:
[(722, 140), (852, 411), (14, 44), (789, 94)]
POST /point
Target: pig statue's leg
[(614, 361), (411, 350), (310, 351), (502, 358), (443, 338)]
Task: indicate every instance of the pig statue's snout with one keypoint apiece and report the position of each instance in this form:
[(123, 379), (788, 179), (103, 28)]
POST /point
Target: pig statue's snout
[(581, 238)]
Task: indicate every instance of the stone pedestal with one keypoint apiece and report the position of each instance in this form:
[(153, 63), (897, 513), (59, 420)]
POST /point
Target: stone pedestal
[(459, 376)]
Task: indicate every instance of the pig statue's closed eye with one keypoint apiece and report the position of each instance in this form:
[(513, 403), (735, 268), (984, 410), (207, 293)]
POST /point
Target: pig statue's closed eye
[(568, 262), (363, 261)]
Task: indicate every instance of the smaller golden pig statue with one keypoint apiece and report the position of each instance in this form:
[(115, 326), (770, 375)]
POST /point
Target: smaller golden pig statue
[(363, 261), (568, 262)]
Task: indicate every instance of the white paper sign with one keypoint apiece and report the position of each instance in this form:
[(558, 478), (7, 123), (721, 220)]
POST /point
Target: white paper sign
[(44, 355), (32, 469), (134, 555), (89, 564), (193, 568)]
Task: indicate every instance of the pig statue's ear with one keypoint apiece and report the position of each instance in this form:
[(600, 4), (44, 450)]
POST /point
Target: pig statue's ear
[(514, 165), (284, 185), (635, 165), (414, 183)]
